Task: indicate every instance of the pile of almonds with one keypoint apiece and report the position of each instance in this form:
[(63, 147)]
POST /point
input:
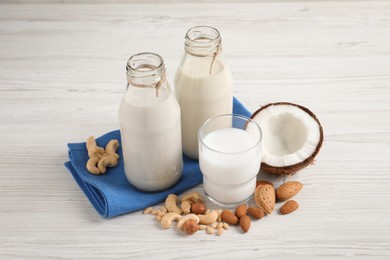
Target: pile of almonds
[(240, 216), (191, 214), (265, 196)]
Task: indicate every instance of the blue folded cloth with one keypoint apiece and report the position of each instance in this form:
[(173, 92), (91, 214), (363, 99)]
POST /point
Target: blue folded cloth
[(111, 194)]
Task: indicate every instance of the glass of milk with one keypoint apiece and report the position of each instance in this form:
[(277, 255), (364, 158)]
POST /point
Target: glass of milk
[(229, 158)]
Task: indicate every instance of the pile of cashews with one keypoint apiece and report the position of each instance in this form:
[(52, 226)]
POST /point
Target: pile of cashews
[(186, 216), (100, 158)]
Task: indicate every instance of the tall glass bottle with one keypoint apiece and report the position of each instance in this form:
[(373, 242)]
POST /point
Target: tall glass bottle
[(149, 117), (203, 82)]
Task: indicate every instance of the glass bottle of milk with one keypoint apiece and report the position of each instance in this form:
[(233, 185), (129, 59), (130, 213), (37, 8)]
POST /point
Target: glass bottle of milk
[(149, 117), (203, 82)]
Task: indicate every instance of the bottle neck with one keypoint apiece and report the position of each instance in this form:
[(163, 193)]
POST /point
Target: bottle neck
[(203, 41), (146, 70)]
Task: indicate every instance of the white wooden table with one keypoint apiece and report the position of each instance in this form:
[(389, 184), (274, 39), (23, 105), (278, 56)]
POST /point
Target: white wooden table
[(62, 74)]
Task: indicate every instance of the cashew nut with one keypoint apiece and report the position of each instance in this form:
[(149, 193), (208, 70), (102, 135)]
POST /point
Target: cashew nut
[(219, 211), (202, 227), (186, 207), (168, 218), (163, 209), (159, 215), (91, 165), (93, 149), (148, 210), (155, 211), (219, 225), (170, 204), (210, 230), (107, 161), (219, 231), (111, 148), (209, 218), (187, 217), (193, 196), (225, 226)]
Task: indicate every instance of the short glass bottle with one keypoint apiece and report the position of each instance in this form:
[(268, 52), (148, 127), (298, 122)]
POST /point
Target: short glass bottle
[(149, 117)]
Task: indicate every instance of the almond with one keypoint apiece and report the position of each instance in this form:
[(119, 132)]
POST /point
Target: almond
[(245, 223), (289, 207), (228, 217), (256, 213), (198, 208), (265, 197), (263, 183), (241, 210), (190, 227), (288, 190)]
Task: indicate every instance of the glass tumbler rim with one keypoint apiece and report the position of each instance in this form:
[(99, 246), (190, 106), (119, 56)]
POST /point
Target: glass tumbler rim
[(247, 119)]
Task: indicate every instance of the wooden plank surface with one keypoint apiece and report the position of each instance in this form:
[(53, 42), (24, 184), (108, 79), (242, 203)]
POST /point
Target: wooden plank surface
[(62, 76)]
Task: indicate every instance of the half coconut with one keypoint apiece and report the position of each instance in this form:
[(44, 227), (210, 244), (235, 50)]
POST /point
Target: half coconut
[(292, 137)]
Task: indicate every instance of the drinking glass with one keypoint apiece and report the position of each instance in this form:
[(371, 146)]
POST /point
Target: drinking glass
[(229, 157)]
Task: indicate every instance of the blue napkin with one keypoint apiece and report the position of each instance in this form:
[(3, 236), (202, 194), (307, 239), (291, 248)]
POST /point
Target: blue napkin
[(111, 194)]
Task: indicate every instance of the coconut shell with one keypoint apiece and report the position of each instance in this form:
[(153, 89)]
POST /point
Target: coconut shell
[(292, 169)]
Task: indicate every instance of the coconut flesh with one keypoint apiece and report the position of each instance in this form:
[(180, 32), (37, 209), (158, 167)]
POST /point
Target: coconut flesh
[(292, 137)]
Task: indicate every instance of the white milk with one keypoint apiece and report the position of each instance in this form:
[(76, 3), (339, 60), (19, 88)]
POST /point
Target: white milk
[(201, 96), (151, 138), (230, 177)]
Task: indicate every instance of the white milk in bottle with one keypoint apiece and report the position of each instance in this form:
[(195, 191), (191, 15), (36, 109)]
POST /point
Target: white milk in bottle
[(204, 85), (149, 117)]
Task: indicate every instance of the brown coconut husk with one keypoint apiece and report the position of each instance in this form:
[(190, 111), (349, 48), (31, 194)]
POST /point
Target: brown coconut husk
[(292, 169)]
